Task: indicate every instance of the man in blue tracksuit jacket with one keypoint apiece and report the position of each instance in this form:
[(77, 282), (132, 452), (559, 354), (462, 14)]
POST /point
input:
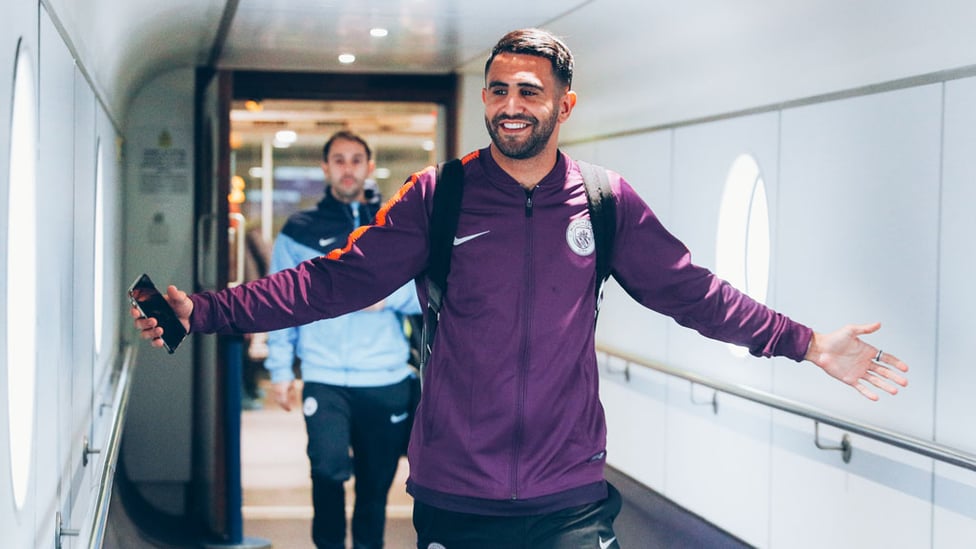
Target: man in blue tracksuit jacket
[(509, 445), (355, 372)]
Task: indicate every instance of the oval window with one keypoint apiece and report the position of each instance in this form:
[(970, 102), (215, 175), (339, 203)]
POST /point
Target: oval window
[(21, 273), (742, 243)]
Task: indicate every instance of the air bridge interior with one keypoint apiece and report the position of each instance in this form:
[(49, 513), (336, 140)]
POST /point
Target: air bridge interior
[(820, 156)]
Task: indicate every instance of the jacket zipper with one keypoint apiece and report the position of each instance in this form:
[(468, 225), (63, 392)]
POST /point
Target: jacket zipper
[(524, 358)]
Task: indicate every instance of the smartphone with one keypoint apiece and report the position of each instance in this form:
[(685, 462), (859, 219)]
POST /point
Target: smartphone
[(145, 297)]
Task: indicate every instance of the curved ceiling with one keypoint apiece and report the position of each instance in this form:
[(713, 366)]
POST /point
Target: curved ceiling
[(123, 44), (647, 63)]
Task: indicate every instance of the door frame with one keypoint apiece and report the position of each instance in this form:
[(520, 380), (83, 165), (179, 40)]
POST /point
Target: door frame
[(441, 89)]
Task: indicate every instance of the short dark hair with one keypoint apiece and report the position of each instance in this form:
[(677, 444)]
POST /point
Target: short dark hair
[(348, 136), (540, 43)]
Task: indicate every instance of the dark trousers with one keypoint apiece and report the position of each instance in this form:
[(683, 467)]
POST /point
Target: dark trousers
[(373, 423), (582, 527)]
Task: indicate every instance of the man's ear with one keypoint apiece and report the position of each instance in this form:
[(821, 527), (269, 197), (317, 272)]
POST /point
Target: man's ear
[(566, 105)]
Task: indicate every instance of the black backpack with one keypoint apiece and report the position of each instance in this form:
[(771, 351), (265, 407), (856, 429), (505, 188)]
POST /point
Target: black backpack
[(443, 229)]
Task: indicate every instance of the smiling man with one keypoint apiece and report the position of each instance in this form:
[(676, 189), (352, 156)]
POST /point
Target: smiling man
[(509, 445)]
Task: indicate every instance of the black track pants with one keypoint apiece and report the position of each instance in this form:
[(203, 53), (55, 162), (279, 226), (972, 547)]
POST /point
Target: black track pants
[(373, 423), (583, 527)]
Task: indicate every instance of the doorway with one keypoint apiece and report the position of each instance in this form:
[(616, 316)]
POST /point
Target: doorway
[(278, 123), (275, 155)]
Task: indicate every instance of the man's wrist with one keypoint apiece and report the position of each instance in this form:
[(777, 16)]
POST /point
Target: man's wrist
[(813, 349)]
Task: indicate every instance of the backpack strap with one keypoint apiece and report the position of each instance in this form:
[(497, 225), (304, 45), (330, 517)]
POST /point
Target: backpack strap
[(603, 220), (443, 229)]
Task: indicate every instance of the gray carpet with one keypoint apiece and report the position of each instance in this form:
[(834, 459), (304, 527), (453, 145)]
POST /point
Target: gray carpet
[(651, 521)]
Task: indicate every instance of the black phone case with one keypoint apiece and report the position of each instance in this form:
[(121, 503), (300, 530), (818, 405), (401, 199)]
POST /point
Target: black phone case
[(146, 297)]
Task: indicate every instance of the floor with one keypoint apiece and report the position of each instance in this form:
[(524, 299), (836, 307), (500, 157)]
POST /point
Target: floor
[(277, 490)]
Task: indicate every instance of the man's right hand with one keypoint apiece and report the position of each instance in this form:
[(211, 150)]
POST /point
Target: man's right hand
[(285, 393), (147, 326)]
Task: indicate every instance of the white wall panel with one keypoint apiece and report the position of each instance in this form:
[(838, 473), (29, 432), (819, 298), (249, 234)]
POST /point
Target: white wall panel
[(854, 192), (645, 162), (954, 507), (10, 29), (57, 443), (83, 364), (857, 241), (879, 499), (717, 464), (579, 151), (636, 413), (472, 134), (105, 360), (955, 409), (703, 155)]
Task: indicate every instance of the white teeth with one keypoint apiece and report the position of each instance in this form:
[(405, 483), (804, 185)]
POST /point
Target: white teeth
[(514, 125)]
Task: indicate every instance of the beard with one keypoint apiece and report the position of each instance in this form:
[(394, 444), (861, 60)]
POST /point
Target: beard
[(347, 193), (532, 145)]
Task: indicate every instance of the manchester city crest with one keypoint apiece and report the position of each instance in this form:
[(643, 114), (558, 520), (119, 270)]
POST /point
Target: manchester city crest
[(579, 236)]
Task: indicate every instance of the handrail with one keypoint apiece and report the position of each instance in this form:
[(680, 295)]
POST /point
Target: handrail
[(907, 442), (120, 403)]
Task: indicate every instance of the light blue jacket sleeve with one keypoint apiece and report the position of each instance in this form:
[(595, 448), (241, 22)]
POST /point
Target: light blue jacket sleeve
[(404, 300), (359, 349), (281, 343)]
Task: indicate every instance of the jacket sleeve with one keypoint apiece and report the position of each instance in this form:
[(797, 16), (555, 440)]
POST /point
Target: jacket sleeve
[(376, 260), (656, 269)]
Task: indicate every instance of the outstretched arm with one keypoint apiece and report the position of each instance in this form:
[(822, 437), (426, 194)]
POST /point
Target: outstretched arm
[(844, 356), (148, 327)]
